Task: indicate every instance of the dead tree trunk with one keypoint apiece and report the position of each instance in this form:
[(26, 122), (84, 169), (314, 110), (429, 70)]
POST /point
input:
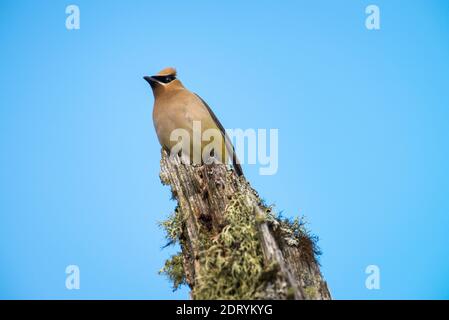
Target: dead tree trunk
[(232, 245)]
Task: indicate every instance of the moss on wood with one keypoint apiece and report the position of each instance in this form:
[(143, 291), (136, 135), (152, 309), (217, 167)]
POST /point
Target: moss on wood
[(232, 260)]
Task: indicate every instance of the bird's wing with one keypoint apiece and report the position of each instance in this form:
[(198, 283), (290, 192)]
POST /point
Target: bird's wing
[(229, 146)]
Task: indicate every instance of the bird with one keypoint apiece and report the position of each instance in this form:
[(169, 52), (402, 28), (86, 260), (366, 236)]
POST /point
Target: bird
[(176, 107)]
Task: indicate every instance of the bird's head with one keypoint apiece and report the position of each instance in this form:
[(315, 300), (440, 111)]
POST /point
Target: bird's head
[(163, 80)]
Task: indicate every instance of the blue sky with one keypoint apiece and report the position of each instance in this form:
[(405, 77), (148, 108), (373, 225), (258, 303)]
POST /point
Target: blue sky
[(363, 123)]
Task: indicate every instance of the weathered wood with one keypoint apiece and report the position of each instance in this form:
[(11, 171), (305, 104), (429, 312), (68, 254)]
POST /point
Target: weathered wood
[(204, 195)]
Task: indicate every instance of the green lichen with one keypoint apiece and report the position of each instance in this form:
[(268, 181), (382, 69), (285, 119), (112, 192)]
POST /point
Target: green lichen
[(310, 292), (173, 226), (294, 232), (174, 270), (232, 263)]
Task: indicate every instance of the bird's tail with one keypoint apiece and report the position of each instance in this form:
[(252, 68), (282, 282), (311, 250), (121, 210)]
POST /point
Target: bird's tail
[(237, 166), (235, 160)]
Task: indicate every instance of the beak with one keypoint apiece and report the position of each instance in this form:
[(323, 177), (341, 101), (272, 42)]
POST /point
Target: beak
[(150, 80)]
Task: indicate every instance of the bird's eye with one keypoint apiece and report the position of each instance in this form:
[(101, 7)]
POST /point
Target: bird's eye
[(168, 79)]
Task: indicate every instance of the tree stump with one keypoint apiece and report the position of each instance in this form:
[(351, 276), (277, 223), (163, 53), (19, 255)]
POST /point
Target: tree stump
[(232, 245)]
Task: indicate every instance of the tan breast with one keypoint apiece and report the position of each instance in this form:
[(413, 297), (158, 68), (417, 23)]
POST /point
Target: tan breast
[(176, 109)]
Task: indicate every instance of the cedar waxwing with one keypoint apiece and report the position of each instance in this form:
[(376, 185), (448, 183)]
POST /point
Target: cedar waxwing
[(175, 107)]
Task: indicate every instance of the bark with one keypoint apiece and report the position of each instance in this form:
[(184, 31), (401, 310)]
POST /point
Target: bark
[(289, 269)]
